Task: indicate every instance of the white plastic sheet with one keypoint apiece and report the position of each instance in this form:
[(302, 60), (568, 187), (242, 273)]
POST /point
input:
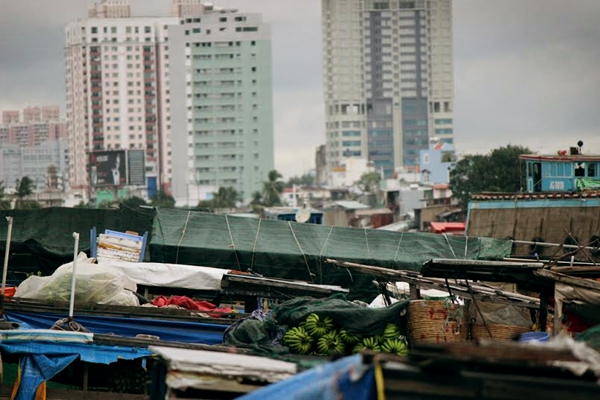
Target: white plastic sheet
[(95, 285), (169, 275)]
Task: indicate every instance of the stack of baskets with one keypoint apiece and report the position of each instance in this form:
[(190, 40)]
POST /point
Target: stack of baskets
[(435, 321)]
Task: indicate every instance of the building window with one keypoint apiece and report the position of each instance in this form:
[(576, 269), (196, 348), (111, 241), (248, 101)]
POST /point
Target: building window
[(425, 158)]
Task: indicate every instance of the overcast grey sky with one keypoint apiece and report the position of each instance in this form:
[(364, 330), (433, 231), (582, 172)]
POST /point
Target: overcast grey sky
[(526, 71)]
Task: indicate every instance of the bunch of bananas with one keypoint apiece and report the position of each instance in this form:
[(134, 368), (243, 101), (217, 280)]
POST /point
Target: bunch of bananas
[(394, 346), (317, 335), (368, 343), (391, 332), (298, 340), (348, 338), (317, 326), (331, 344)]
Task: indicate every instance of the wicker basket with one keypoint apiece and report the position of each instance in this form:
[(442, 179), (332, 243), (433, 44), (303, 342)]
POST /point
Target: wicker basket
[(499, 332), (435, 321)]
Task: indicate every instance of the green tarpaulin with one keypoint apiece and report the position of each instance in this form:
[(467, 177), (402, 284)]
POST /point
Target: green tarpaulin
[(587, 183), (292, 250), (47, 233)]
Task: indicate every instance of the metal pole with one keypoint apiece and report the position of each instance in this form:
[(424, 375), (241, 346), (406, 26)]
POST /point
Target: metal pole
[(6, 254), (73, 279), (567, 246), (547, 261)]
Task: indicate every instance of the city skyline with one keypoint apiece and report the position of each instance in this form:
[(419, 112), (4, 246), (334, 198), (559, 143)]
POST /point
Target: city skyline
[(530, 73)]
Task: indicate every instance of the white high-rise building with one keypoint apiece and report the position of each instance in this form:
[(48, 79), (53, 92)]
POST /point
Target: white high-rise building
[(204, 73), (117, 88), (388, 79), (221, 99)]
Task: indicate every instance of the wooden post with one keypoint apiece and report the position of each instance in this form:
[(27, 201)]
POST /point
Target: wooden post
[(414, 292), (558, 312), (85, 376), (543, 320)]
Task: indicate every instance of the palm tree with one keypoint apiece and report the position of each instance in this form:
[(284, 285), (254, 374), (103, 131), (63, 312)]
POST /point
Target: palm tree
[(256, 198), (24, 190), (272, 189), (4, 204), (226, 197)]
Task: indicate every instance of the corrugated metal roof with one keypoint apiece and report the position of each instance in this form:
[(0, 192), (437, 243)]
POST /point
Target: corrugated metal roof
[(351, 205)]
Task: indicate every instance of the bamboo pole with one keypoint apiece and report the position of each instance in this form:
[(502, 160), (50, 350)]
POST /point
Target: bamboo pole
[(74, 279)]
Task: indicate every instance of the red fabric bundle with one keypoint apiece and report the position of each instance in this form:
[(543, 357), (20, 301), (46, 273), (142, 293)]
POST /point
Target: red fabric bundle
[(187, 303)]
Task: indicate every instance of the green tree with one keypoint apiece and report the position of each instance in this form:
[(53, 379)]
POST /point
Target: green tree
[(498, 171), (304, 180), (4, 204), (226, 197), (134, 202), (24, 190), (256, 202), (272, 189), (163, 199), (369, 182)]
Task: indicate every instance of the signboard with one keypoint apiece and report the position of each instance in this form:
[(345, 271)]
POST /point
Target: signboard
[(108, 168), (136, 167)]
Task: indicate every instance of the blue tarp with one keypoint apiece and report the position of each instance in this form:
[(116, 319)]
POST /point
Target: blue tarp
[(41, 361), (187, 332), (345, 379)]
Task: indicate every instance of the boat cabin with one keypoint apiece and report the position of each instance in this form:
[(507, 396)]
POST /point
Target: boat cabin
[(562, 172)]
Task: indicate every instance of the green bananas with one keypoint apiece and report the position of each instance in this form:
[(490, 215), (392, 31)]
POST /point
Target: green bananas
[(348, 338), (331, 344), (368, 343), (391, 332), (395, 346), (298, 340), (317, 326)]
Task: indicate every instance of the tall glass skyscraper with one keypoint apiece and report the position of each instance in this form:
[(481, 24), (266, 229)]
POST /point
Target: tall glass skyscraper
[(388, 79)]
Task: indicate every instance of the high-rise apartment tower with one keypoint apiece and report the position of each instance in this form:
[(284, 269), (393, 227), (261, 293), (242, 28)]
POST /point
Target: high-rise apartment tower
[(388, 79)]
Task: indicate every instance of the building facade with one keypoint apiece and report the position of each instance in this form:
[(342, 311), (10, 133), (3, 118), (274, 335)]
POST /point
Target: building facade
[(436, 162), (37, 126), (388, 79), (202, 113), (43, 163), (221, 99), (117, 85)]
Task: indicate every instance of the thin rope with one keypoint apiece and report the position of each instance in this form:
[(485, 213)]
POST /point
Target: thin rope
[(367, 242), (398, 248), (447, 241), (320, 261), (182, 235), (255, 242), (302, 251), (233, 243), (68, 324)]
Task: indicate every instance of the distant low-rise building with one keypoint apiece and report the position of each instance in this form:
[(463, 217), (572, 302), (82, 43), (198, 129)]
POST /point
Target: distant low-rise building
[(349, 172), (35, 162), (436, 162)]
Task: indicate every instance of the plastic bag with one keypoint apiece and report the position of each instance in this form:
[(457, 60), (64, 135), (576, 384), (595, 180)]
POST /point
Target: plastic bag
[(95, 284)]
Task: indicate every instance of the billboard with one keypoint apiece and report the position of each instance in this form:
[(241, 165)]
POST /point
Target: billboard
[(108, 168)]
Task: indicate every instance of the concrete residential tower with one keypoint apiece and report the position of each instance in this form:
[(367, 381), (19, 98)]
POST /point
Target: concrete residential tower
[(117, 85), (193, 90), (388, 79), (221, 104)]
